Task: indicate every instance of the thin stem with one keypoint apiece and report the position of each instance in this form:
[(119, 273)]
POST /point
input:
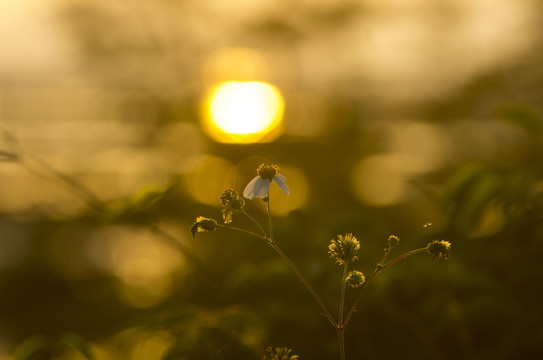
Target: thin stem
[(41, 168), (245, 231), (288, 261), (377, 270), (8, 156), (341, 340), (270, 225), (306, 284), (403, 256), (385, 255), (295, 269), (359, 297), (185, 251), (87, 195), (342, 297), (257, 224), (341, 327)]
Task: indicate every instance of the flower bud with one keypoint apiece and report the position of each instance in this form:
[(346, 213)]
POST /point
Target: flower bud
[(393, 241), (203, 224), (439, 249), (355, 278)]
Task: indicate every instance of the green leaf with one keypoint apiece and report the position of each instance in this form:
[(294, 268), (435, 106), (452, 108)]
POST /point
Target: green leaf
[(460, 181), (468, 191), (522, 116), (146, 196), (78, 343), (480, 193), (31, 347)]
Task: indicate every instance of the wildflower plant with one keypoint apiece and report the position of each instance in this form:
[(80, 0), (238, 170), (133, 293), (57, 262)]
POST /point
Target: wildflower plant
[(342, 250)]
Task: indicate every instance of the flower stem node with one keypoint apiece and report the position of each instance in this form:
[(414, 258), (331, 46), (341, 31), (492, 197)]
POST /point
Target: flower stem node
[(203, 224), (231, 202), (439, 249), (279, 353), (393, 241), (355, 278), (344, 249), (260, 185)]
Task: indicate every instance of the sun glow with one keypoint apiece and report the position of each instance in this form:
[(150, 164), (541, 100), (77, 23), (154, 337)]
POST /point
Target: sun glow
[(244, 112)]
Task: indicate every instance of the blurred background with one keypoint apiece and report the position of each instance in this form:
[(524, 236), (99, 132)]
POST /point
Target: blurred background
[(122, 121)]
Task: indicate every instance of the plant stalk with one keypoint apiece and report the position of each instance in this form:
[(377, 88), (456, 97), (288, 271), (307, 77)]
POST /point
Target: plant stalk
[(285, 258), (270, 225), (306, 284), (341, 325), (380, 266), (243, 230), (267, 237), (341, 340)]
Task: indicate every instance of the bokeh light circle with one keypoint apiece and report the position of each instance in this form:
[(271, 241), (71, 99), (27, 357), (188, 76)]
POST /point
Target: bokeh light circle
[(380, 180), (243, 112)]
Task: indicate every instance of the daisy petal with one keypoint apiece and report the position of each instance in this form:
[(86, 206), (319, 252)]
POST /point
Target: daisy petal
[(262, 187), (249, 191), (280, 180)]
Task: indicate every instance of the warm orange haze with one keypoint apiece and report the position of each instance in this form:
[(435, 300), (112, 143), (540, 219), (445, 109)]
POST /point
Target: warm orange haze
[(130, 130)]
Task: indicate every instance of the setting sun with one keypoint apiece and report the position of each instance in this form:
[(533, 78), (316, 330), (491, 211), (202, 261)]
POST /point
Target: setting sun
[(243, 112)]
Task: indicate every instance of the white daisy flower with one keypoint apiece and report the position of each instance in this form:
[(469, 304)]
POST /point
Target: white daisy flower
[(260, 185)]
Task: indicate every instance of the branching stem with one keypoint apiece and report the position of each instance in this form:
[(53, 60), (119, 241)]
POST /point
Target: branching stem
[(267, 238), (380, 266), (245, 231), (289, 262), (306, 284)]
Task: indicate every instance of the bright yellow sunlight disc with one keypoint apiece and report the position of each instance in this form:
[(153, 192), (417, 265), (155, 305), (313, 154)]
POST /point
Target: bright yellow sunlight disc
[(244, 112)]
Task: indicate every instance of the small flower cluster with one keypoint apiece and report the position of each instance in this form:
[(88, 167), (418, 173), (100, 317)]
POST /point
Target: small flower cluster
[(230, 202), (279, 353), (344, 249)]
